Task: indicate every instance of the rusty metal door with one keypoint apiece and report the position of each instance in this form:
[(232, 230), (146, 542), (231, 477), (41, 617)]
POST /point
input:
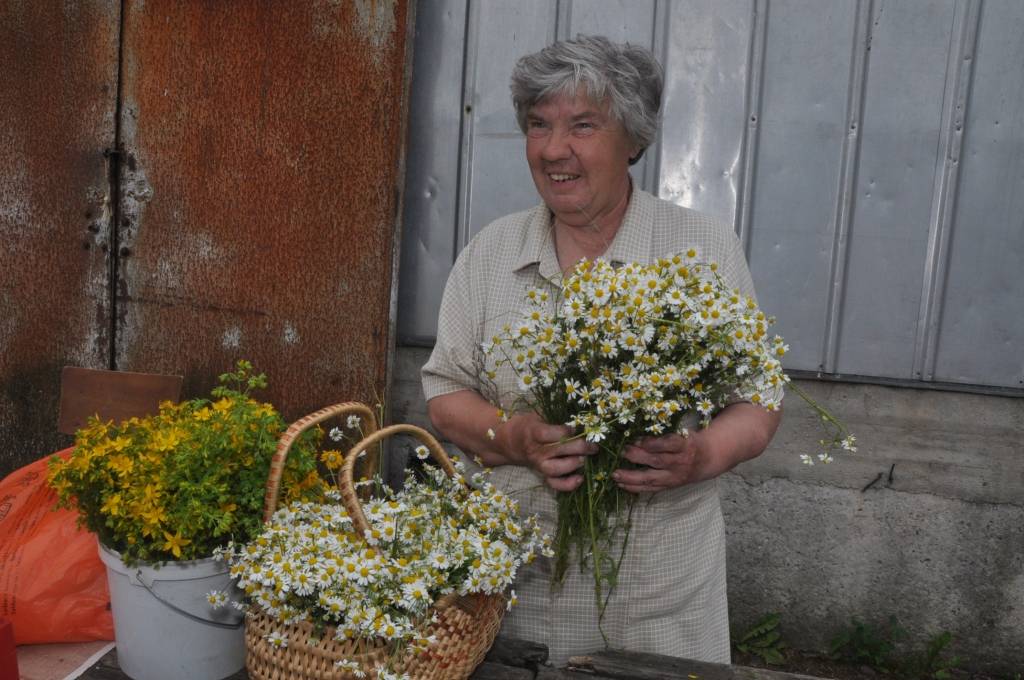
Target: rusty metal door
[(248, 203), (58, 86)]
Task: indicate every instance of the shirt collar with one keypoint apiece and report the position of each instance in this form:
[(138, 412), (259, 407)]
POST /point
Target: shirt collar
[(632, 242)]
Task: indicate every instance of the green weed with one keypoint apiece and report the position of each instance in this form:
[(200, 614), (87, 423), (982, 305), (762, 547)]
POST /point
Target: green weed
[(764, 641), (934, 663), (863, 643)]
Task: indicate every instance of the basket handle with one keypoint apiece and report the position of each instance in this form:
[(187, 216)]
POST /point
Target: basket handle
[(346, 485), (293, 432)]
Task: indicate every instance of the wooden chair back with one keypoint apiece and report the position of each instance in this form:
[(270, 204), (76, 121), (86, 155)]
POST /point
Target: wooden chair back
[(112, 395)]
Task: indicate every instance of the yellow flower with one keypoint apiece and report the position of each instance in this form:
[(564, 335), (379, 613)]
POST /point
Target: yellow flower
[(332, 459), (154, 515), (112, 506), (223, 405), (121, 464), (175, 543), (151, 493), (60, 484), (203, 414), (166, 440), (101, 449)]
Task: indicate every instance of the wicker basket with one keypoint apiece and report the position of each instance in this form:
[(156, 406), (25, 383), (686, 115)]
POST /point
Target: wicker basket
[(465, 627)]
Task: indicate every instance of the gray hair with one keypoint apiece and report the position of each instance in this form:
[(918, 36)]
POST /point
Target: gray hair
[(627, 76)]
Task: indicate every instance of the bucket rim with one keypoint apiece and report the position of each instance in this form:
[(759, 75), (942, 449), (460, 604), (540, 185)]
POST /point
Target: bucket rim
[(205, 566)]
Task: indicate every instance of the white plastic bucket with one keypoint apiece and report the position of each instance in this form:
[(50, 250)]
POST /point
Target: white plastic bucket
[(164, 625)]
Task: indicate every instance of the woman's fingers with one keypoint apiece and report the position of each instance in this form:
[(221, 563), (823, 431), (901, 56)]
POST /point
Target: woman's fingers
[(641, 456), (668, 443), (555, 452), (648, 480), (565, 483), (559, 466)]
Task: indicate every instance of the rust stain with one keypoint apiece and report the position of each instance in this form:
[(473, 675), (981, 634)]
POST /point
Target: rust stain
[(371, 21), (265, 140), (57, 103)]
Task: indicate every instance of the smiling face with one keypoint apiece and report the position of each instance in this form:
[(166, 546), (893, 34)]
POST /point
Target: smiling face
[(579, 158)]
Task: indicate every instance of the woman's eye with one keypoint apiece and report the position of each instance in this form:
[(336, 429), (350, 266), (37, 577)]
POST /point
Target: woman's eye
[(535, 127), (584, 126)]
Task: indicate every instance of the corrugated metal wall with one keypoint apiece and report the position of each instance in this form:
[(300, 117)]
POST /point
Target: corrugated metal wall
[(870, 154), (250, 209)]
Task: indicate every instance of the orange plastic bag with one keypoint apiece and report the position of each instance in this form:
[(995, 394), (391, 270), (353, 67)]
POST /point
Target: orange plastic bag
[(53, 587)]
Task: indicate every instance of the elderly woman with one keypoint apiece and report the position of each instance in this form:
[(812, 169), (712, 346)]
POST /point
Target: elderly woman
[(589, 108)]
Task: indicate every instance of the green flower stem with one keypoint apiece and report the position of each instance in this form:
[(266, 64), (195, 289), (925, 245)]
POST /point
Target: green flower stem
[(824, 414)]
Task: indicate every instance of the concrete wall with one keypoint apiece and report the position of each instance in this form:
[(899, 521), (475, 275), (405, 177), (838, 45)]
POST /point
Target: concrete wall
[(939, 544)]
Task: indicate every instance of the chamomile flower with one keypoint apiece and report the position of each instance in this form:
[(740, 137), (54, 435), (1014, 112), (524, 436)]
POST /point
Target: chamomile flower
[(350, 666), (277, 639), (217, 598)]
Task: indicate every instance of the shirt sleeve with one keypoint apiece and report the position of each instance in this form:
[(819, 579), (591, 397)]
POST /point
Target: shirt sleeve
[(454, 363)]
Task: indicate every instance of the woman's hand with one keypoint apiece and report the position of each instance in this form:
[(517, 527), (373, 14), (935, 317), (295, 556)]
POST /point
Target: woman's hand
[(549, 449), (671, 460), (740, 432), (468, 420)]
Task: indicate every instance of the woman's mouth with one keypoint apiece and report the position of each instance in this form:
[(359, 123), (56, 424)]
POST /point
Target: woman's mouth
[(561, 177)]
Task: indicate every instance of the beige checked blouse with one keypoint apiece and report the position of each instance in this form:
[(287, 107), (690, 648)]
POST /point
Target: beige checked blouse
[(671, 595)]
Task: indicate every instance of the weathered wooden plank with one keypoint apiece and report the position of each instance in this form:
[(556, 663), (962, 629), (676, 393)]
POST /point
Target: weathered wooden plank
[(112, 395), (496, 671), (549, 673), (503, 664), (623, 665), (749, 673), (515, 652), (637, 666)]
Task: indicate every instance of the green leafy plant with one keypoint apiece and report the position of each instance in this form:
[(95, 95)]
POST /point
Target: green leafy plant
[(934, 663), (867, 644), (764, 640), (178, 484)]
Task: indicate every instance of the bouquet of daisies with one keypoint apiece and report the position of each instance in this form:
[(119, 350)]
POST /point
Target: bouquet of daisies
[(629, 352)]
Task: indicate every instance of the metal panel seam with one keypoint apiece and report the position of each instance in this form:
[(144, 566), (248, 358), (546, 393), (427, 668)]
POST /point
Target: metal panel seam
[(845, 200), (752, 116), (463, 228), (959, 74), (563, 19), (660, 16), (396, 233), (115, 167)]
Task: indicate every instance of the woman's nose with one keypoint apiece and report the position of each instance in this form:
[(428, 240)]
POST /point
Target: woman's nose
[(556, 147)]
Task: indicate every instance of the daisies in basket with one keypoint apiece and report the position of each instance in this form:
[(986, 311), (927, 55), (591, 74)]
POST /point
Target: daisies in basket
[(629, 352), (439, 535)]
